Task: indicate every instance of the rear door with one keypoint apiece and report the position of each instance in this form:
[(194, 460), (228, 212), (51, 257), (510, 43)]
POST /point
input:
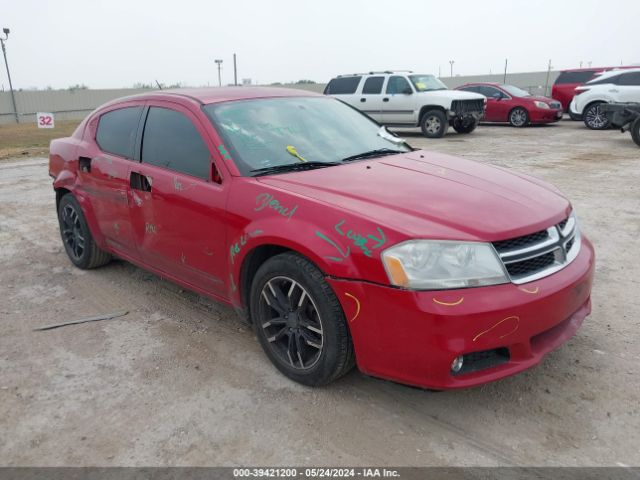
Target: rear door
[(105, 162), (178, 198), (370, 97), (629, 87), (398, 102)]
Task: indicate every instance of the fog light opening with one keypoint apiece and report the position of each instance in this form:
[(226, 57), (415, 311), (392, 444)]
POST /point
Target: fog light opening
[(456, 365)]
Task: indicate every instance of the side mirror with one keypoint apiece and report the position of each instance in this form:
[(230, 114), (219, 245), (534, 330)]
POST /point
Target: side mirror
[(407, 91), (497, 96)]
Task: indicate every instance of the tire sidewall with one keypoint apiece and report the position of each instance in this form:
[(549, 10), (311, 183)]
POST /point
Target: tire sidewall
[(334, 325), (85, 259), (635, 131), (444, 124)]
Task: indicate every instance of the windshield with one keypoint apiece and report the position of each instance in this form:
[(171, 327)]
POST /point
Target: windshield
[(424, 83), (270, 132), (515, 91)]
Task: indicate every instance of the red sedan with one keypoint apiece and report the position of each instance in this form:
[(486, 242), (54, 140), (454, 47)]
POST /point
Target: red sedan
[(336, 240), (506, 103)]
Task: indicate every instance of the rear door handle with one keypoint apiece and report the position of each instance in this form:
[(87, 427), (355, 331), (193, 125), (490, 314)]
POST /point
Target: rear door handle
[(614, 90), (139, 181), (386, 99)]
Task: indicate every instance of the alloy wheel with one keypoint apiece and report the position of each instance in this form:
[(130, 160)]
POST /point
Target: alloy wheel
[(291, 322), (518, 117), (596, 118), (72, 231)]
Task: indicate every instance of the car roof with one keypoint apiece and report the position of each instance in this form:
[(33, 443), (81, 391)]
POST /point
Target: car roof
[(597, 69), (493, 84), (613, 73), (384, 72), (205, 96)]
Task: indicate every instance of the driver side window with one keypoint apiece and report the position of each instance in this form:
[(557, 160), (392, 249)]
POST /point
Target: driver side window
[(397, 84)]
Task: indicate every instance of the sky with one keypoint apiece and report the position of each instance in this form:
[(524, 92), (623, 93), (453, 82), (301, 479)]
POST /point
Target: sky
[(118, 43)]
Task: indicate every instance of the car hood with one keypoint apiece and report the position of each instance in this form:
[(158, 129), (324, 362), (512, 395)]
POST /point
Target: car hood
[(431, 195), (452, 95)]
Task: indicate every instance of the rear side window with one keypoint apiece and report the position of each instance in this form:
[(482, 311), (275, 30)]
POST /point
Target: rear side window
[(342, 86), (632, 78), (171, 141), (614, 80), (575, 77), (373, 85), (117, 131)]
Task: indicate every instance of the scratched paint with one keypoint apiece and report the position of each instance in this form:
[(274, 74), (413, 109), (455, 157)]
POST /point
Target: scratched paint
[(116, 227), (513, 317), (357, 305), (531, 291), (236, 247), (183, 258), (150, 228), (266, 200), (448, 304), (360, 240), (177, 185), (233, 283)]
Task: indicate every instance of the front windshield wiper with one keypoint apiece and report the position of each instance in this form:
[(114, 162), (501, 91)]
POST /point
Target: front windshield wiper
[(291, 167), (379, 152)]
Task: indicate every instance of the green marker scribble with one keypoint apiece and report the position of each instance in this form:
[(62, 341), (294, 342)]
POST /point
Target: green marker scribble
[(344, 254)]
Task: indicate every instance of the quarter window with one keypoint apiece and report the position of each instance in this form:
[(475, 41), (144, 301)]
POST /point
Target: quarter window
[(373, 85), (397, 85), (342, 86), (632, 78), (171, 141), (117, 131), (575, 77)]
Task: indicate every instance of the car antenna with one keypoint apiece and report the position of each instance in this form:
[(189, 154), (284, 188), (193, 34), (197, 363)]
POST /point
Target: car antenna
[(159, 86)]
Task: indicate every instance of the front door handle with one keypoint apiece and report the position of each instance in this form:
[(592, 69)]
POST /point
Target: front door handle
[(363, 99), (614, 90), (139, 181), (84, 163), (385, 99)]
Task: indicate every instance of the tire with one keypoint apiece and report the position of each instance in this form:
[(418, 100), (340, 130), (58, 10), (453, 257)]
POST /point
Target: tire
[(299, 321), (76, 236), (518, 117), (635, 131), (594, 118), (434, 124), (464, 127)]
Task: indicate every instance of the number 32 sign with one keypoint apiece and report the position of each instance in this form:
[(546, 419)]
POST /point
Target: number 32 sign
[(44, 120)]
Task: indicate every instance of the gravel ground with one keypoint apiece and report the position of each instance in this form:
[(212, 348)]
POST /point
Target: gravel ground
[(180, 381)]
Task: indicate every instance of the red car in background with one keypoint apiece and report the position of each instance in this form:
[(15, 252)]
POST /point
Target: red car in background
[(564, 87), (335, 239), (508, 103)]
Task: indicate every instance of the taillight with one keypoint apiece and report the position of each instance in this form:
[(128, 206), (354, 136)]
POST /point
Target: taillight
[(580, 90)]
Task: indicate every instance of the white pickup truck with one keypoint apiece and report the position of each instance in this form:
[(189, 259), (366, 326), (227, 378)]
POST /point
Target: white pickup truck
[(405, 99)]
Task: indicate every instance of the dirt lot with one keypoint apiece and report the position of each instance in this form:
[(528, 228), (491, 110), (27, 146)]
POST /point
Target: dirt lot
[(179, 381)]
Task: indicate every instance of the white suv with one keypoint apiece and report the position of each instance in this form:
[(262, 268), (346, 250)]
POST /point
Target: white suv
[(405, 99), (616, 86)]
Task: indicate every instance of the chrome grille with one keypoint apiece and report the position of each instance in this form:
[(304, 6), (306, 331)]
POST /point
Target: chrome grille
[(540, 254)]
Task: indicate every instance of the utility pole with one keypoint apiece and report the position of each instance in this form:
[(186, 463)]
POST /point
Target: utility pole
[(546, 84), (6, 64), (219, 62), (235, 71), (451, 62), (504, 79)]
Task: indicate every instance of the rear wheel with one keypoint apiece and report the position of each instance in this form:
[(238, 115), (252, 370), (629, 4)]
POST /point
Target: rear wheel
[(518, 117), (462, 126), (635, 131), (299, 321), (76, 236), (434, 124), (594, 117)]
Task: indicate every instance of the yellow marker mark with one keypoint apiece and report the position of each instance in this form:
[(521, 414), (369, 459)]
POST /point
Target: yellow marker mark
[(501, 321), (292, 151), (532, 292), (357, 306), (449, 304)]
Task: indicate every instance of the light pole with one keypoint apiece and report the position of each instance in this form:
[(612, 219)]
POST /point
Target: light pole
[(6, 64), (451, 62), (219, 62)]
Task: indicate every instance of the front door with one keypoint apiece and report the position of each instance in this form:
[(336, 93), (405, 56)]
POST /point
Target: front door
[(177, 204), (398, 102)]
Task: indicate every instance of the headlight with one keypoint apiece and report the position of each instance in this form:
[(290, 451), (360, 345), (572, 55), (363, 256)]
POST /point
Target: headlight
[(440, 264), (544, 106)]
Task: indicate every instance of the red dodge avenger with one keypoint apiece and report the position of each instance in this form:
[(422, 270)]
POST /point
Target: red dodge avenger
[(340, 243)]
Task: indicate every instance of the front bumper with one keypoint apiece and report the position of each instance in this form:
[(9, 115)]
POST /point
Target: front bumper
[(545, 116), (412, 337)]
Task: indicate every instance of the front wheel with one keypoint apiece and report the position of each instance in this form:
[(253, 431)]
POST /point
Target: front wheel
[(464, 126), (635, 131), (434, 124), (594, 117), (76, 236), (518, 117), (299, 321)]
